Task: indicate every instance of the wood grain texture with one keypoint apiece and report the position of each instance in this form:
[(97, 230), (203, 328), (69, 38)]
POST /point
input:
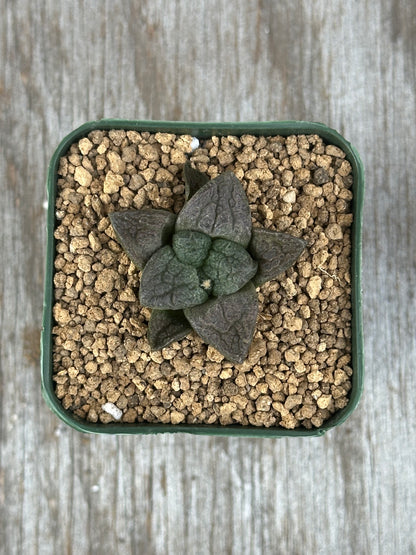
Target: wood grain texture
[(351, 65)]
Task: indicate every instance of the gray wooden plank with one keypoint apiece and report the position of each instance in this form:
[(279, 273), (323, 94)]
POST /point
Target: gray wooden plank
[(350, 65)]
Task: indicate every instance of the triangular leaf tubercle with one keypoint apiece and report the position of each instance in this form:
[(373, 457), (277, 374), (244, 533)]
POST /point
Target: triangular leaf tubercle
[(166, 326), (275, 252), (142, 232), (227, 323), (229, 266), (219, 209), (168, 284), (194, 180)]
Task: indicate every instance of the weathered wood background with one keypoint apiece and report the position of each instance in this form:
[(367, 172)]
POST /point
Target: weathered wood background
[(351, 65)]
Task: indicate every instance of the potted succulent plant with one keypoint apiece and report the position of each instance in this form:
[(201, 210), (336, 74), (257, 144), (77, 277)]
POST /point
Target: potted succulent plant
[(203, 268)]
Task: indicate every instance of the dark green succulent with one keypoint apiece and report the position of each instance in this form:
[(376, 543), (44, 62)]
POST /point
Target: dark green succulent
[(200, 269)]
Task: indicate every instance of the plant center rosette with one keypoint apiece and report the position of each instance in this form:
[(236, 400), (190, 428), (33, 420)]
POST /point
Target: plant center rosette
[(200, 269)]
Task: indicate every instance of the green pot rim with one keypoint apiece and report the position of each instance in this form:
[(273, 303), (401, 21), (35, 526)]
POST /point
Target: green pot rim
[(203, 130)]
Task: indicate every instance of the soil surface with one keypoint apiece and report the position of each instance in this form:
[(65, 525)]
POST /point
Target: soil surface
[(298, 372)]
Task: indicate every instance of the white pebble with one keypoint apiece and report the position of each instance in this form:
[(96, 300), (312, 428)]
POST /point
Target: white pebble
[(95, 488), (194, 143), (114, 411), (290, 197)]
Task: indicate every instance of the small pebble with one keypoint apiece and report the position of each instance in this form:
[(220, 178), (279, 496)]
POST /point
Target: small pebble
[(82, 176), (334, 231), (85, 145), (194, 143), (112, 183), (314, 286), (112, 410), (290, 197)]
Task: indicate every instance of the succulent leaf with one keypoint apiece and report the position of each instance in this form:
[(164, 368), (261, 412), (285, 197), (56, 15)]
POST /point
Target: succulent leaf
[(142, 232), (194, 180), (274, 251), (227, 323), (191, 247), (229, 266), (219, 209), (168, 284), (166, 326)]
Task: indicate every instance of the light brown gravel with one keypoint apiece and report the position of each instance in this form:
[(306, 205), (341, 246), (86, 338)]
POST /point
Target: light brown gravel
[(298, 372)]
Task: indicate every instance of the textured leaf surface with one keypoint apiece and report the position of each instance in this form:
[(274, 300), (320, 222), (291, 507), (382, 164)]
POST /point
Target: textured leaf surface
[(227, 323), (219, 209), (275, 252), (229, 266), (166, 326), (194, 180), (142, 232), (169, 284), (191, 247)]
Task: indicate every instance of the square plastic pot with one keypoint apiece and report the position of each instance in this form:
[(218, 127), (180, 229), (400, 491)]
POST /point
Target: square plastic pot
[(202, 131)]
